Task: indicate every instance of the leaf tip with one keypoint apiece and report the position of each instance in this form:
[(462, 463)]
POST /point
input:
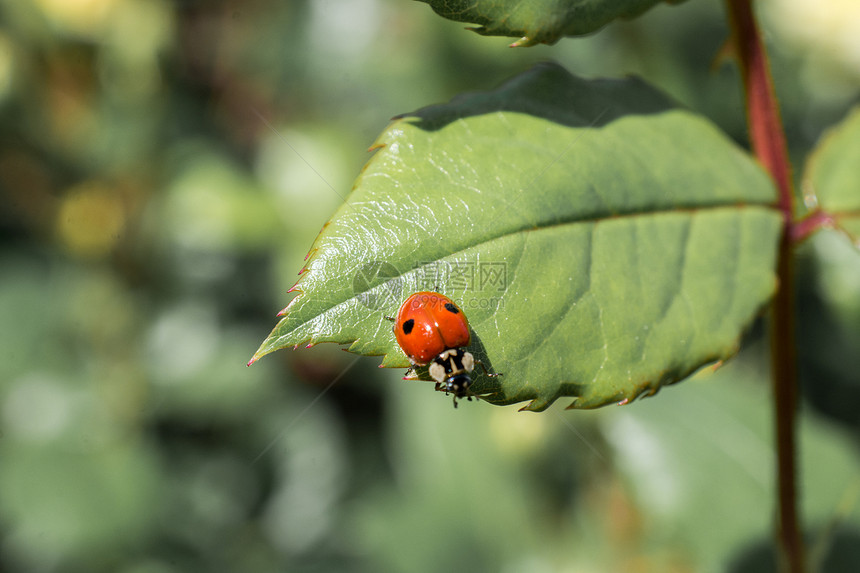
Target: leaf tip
[(725, 53), (536, 405), (257, 355), (523, 42)]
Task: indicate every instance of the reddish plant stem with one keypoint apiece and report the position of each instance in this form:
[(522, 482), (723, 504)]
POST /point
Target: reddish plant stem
[(784, 380), (768, 142), (815, 221), (765, 124)]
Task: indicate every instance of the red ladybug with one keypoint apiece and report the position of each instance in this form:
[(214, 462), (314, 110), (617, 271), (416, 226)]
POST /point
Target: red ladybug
[(432, 330)]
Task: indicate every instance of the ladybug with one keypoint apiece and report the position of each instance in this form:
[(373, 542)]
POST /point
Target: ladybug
[(432, 330)]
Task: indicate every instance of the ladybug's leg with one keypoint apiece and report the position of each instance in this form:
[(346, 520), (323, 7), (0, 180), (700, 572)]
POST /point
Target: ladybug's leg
[(391, 318), (486, 372)]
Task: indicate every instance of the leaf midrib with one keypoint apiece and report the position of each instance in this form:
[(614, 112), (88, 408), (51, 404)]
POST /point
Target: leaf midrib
[(595, 220)]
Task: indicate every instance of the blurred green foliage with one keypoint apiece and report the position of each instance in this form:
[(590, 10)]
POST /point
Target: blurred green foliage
[(164, 167)]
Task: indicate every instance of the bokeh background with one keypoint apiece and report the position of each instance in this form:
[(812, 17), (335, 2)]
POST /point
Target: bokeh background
[(164, 168)]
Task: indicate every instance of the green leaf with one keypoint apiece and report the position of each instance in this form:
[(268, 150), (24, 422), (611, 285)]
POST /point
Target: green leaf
[(832, 178), (601, 241), (539, 21)]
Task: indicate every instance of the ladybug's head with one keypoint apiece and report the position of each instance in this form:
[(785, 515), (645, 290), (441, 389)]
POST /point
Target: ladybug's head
[(458, 385)]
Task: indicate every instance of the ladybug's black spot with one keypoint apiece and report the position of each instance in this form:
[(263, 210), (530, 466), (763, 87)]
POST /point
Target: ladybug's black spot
[(451, 308), (408, 325)]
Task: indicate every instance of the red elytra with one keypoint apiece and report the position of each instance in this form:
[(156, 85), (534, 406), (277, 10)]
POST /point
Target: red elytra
[(428, 324)]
